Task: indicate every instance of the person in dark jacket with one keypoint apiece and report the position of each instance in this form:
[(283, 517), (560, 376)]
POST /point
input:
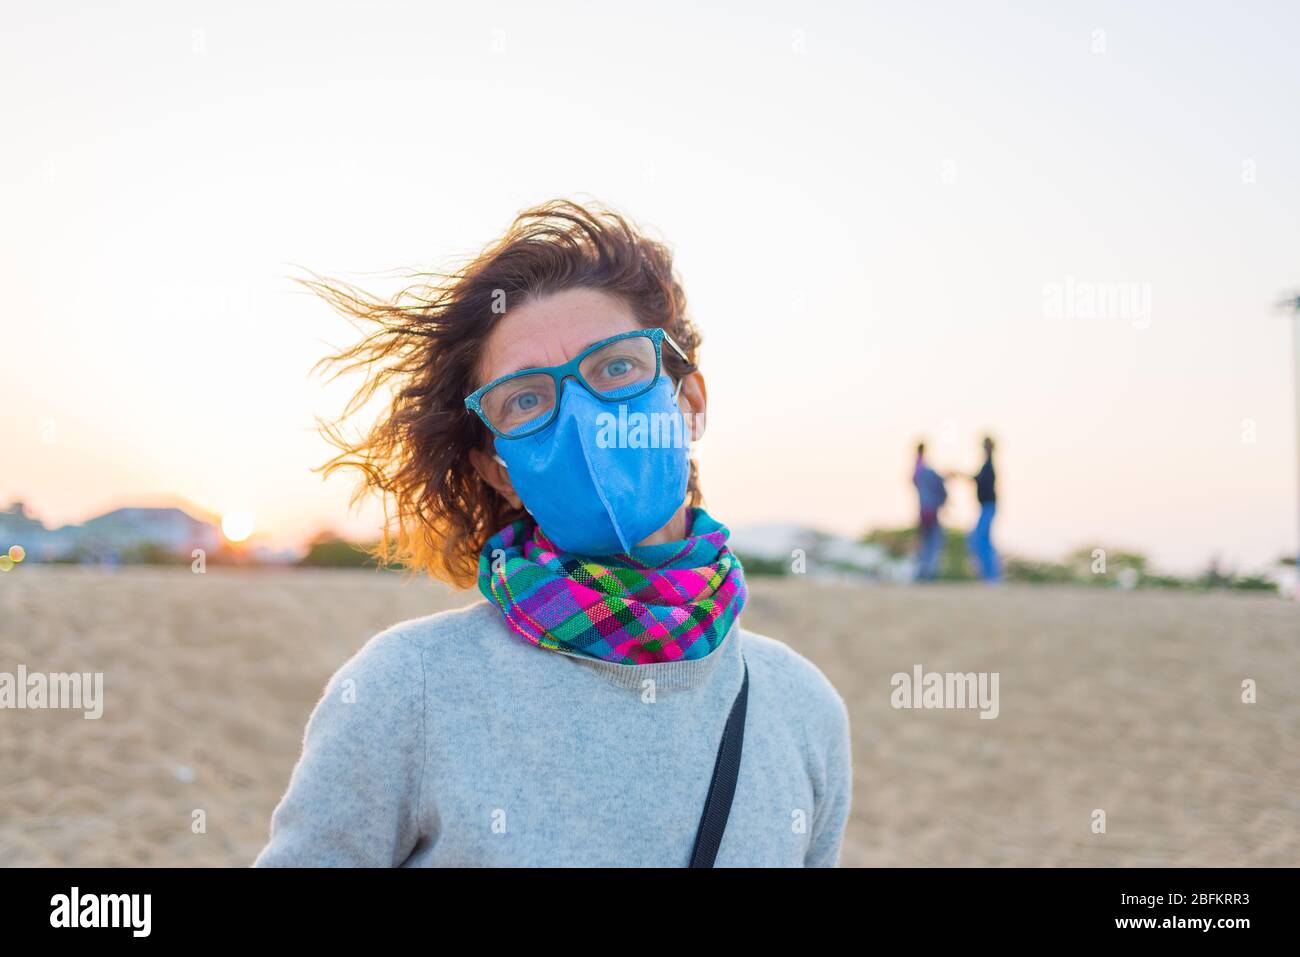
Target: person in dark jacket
[(981, 538)]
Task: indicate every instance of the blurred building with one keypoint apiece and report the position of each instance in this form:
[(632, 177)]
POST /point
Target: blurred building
[(125, 534)]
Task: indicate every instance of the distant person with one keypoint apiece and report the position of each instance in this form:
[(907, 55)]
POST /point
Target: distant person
[(981, 538), (931, 494)]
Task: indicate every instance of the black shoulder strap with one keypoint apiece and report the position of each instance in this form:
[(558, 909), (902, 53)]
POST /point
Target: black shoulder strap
[(717, 806)]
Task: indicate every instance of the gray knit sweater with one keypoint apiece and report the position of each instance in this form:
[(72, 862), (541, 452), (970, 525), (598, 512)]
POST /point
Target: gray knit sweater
[(449, 741)]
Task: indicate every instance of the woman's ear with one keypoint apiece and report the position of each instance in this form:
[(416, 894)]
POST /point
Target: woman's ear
[(693, 400), (495, 474)]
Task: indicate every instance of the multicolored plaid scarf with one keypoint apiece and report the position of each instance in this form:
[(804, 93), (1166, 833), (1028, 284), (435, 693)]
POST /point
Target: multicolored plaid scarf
[(665, 602)]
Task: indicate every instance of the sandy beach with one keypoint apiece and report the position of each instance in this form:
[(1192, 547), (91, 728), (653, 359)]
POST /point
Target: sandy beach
[(1125, 702)]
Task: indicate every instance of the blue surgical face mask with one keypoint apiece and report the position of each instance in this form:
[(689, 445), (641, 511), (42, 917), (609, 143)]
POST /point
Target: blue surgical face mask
[(604, 475)]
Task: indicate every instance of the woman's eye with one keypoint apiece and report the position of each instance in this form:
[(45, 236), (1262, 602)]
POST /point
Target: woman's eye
[(525, 401), (617, 367)]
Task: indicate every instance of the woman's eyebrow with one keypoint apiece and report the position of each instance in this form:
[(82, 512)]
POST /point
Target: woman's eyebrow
[(525, 368)]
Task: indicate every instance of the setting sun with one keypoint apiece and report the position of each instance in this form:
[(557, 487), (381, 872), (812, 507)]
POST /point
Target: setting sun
[(236, 526)]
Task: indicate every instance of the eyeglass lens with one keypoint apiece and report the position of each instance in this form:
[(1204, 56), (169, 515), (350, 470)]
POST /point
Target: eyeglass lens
[(619, 369)]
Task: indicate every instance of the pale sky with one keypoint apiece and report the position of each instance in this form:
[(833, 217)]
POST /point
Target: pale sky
[(869, 203)]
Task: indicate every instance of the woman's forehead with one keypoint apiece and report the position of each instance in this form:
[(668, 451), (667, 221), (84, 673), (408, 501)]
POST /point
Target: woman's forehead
[(553, 329)]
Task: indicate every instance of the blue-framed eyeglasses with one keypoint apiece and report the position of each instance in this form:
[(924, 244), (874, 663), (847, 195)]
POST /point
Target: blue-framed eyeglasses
[(615, 369)]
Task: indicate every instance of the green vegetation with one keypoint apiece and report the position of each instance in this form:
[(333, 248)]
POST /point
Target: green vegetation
[(153, 554), (1092, 565), (327, 550), (898, 543), (1088, 566), (754, 565)]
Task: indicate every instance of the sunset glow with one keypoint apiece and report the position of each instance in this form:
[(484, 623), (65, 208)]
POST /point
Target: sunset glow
[(236, 526)]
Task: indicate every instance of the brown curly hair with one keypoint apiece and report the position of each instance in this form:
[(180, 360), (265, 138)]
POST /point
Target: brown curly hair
[(423, 346)]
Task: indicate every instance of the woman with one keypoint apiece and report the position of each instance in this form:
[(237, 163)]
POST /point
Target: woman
[(538, 446)]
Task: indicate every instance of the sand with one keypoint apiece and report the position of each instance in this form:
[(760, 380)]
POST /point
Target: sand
[(1125, 702)]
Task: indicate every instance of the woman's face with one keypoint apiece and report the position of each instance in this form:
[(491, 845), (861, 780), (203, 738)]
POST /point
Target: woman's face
[(552, 330)]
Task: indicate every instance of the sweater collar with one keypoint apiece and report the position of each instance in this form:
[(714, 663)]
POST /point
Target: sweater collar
[(671, 675)]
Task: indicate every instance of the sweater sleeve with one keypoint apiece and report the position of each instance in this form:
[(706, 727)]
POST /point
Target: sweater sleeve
[(353, 798), (831, 815)]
